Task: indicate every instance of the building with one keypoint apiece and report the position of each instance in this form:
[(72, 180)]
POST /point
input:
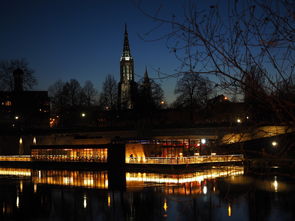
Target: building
[(24, 109), (127, 86)]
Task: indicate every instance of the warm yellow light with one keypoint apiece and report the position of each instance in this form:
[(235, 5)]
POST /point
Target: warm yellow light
[(109, 200), (17, 201), (7, 103), (274, 143), (83, 115), (203, 141), (84, 201), (34, 141), (239, 121), (275, 184), (229, 210), (15, 172), (35, 188), (16, 117), (20, 141), (205, 189), (88, 182), (165, 206), (162, 102), (21, 186), (193, 177)]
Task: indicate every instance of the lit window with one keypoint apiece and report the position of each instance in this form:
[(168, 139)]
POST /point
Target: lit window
[(7, 103)]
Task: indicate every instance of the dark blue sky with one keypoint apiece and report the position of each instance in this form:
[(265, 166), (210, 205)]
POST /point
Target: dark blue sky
[(83, 39)]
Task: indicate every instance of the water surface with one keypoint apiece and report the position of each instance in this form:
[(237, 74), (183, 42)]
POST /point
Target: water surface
[(218, 193)]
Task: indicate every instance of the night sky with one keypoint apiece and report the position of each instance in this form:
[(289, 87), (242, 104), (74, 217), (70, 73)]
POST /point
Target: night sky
[(83, 39)]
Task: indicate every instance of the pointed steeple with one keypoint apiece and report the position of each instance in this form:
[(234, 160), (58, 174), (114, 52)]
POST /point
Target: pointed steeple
[(126, 48), (146, 79), (127, 86)]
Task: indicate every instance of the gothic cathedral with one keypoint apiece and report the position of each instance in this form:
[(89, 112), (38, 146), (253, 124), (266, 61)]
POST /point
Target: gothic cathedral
[(127, 85)]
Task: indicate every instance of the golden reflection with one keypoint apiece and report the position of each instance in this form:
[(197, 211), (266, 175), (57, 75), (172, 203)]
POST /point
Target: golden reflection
[(185, 178), (87, 179), (188, 183), (17, 201), (229, 210), (109, 200), (15, 172), (35, 188), (275, 184), (84, 201), (165, 206), (21, 186)]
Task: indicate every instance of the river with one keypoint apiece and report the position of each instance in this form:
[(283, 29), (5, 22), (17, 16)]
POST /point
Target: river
[(215, 193)]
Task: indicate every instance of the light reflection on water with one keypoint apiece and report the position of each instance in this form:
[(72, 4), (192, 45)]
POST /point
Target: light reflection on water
[(219, 193)]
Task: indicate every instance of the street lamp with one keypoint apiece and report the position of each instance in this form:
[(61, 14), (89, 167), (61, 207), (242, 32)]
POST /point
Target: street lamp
[(83, 115), (203, 141)]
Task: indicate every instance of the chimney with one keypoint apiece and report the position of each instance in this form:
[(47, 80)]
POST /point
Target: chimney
[(18, 76)]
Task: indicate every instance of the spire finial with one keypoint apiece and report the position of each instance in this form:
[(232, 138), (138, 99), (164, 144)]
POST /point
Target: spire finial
[(146, 80), (146, 73), (126, 49)]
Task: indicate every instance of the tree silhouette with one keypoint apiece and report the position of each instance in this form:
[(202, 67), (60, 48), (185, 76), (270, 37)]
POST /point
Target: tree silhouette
[(193, 91), (224, 40), (88, 94), (6, 74), (109, 96)]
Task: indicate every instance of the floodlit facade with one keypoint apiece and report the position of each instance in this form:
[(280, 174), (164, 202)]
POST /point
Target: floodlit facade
[(127, 85), (70, 153)]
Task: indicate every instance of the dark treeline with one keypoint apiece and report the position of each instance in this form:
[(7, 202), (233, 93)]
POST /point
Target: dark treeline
[(82, 105), (198, 101)]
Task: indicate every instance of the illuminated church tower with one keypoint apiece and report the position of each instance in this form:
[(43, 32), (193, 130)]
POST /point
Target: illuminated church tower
[(127, 86)]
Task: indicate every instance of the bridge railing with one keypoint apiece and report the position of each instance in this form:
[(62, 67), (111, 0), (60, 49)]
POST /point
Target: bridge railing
[(15, 158), (186, 160)]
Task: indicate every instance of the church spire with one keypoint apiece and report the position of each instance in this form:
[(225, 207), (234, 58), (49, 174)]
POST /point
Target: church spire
[(126, 48), (146, 79), (127, 86)]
